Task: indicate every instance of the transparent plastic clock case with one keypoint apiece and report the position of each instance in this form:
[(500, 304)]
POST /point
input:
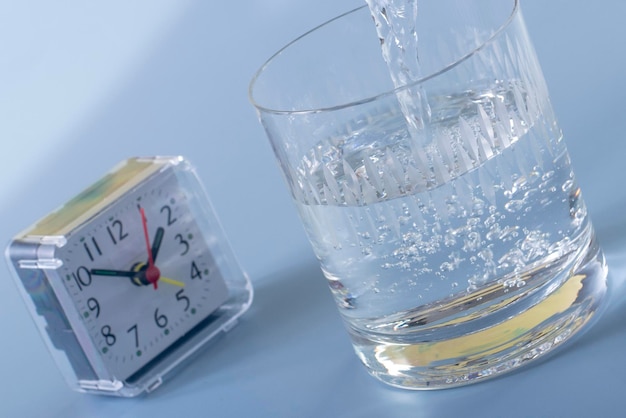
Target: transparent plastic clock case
[(131, 278)]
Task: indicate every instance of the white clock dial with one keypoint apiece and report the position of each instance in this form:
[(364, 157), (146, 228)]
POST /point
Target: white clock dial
[(130, 278), (131, 312)]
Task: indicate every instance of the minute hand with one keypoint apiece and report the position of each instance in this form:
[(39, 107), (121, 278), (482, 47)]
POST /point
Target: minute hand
[(107, 272)]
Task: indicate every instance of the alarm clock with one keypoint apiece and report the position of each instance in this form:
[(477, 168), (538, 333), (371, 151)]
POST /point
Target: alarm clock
[(131, 278)]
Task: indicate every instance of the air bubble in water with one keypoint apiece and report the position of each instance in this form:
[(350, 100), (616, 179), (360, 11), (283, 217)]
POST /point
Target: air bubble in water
[(514, 205), (472, 241), (446, 266), (567, 185)]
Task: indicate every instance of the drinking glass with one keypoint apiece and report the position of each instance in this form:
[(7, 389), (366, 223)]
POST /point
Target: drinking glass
[(444, 211)]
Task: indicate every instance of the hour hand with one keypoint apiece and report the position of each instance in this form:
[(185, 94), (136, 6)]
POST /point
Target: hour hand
[(108, 272), (156, 243)]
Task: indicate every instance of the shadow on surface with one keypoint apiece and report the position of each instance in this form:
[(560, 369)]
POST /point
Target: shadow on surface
[(288, 309)]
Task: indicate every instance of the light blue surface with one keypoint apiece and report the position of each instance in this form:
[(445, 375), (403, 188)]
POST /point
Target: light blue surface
[(85, 85)]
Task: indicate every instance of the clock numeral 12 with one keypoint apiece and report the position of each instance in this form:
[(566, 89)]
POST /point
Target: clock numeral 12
[(116, 231)]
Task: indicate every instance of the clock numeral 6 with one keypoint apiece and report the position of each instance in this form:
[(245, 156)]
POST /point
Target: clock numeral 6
[(160, 320), (94, 306)]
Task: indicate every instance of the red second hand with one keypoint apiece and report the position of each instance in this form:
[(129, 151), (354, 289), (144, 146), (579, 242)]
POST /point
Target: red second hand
[(152, 272)]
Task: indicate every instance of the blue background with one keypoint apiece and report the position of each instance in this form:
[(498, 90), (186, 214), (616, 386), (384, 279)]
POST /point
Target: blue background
[(84, 85)]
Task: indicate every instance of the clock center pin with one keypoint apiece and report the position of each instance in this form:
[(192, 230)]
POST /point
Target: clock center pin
[(152, 274)]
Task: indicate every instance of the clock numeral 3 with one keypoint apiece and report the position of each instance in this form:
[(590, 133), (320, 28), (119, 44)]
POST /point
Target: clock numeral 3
[(182, 242)]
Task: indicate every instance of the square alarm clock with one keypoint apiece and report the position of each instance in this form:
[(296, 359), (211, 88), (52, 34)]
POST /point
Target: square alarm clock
[(131, 278)]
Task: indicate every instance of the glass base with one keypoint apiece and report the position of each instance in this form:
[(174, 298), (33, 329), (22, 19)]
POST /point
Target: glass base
[(502, 347)]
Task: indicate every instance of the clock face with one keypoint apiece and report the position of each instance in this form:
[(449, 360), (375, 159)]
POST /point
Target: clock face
[(140, 275)]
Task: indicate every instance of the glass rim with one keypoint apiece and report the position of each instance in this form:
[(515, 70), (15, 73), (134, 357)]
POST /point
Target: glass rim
[(469, 54)]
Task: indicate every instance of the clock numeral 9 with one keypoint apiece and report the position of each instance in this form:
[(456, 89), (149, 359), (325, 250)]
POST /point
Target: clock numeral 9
[(82, 277), (93, 306)]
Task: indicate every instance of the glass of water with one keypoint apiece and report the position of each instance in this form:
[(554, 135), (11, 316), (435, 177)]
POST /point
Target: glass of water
[(435, 187)]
